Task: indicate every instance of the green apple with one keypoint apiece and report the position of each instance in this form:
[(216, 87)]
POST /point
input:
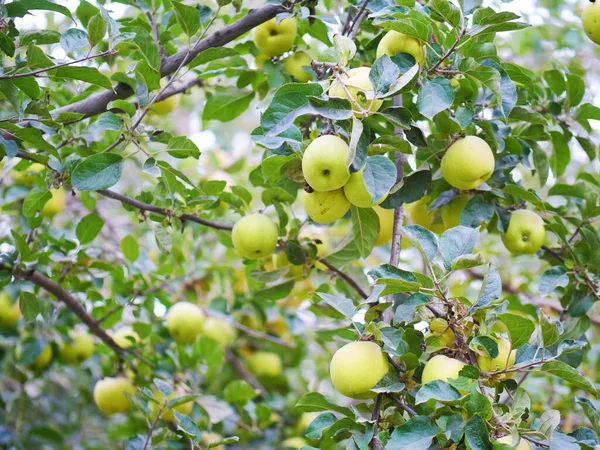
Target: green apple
[(356, 192), (80, 347), (27, 177), (394, 42), (324, 163), (591, 20), (420, 215), (326, 207), (504, 360), (357, 367), (294, 443), (442, 368), (255, 236), (361, 91), (184, 322), (109, 395), (56, 204), (304, 421), (468, 163), (273, 39), (167, 413), (42, 360), (452, 211), (295, 63), (9, 311), (439, 329), (166, 106), (126, 337), (219, 330), (386, 225), (265, 364), (523, 444), (525, 234)]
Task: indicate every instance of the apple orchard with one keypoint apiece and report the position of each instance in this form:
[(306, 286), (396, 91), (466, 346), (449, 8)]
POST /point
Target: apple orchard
[(351, 225)]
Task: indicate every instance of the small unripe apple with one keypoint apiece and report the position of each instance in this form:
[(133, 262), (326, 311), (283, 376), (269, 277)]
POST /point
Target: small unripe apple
[(357, 367), (523, 443), (386, 225), (360, 88), (166, 106), (356, 192), (79, 349), (126, 337), (504, 360), (9, 311), (468, 163), (56, 204), (167, 413), (184, 322), (109, 395), (273, 39), (219, 330), (394, 42), (324, 163), (295, 64), (27, 177), (42, 360), (420, 215), (439, 328), (326, 207), (265, 364), (525, 234), (442, 368), (452, 211), (255, 236), (295, 443), (591, 20)]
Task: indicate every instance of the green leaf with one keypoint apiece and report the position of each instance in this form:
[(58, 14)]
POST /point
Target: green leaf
[(570, 375), (88, 74), (405, 311), (212, 54), (99, 171), (435, 96), (477, 434), (552, 278), (226, 105), (188, 17), (384, 144), (46, 5), (316, 402), (485, 346), (96, 29), (396, 279), (399, 117), (239, 391), (423, 239), (555, 80), (507, 95), (550, 331), (74, 40), (343, 305), (416, 434), (276, 292), (575, 89), (411, 189), (379, 176), (437, 390), (491, 290), (35, 200), (182, 147), (390, 383), (476, 212), (519, 328), (383, 74), (579, 190), (365, 229), (88, 228), (588, 111), (456, 242), (28, 85), (35, 137), (467, 262), (591, 412), (448, 11), (527, 195), (29, 306), (130, 248)]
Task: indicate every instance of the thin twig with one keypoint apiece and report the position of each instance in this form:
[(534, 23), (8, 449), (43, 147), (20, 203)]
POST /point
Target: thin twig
[(449, 52), (402, 405), (154, 423), (244, 373), (375, 418), (344, 277), (358, 19)]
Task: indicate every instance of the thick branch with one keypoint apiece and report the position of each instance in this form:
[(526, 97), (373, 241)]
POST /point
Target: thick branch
[(344, 277), (162, 211)]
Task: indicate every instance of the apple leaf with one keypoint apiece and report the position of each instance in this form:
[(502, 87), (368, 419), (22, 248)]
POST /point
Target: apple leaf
[(569, 374), (437, 390), (365, 226), (416, 434), (519, 328), (456, 242)]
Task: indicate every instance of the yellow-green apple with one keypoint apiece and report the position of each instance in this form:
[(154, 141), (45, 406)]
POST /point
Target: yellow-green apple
[(295, 63), (265, 364), (324, 163), (273, 39), (280, 261), (386, 225), (9, 311), (394, 42), (219, 330), (167, 413), (27, 177), (56, 204), (439, 329), (126, 337), (357, 367), (591, 20), (525, 234), (442, 368), (78, 349), (523, 444), (356, 192), (255, 236), (304, 421), (360, 88), (41, 361), (468, 163), (326, 207), (110, 395), (452, 211), (166, 106), (295, 443), (504, 360), (184, 322), (420, 215)]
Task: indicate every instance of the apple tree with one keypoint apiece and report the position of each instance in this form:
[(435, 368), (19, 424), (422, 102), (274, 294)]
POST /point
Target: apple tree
[(362, 224)]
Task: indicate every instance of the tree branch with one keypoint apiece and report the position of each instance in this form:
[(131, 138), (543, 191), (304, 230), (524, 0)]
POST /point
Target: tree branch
[(244, 373), (344, 277)]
